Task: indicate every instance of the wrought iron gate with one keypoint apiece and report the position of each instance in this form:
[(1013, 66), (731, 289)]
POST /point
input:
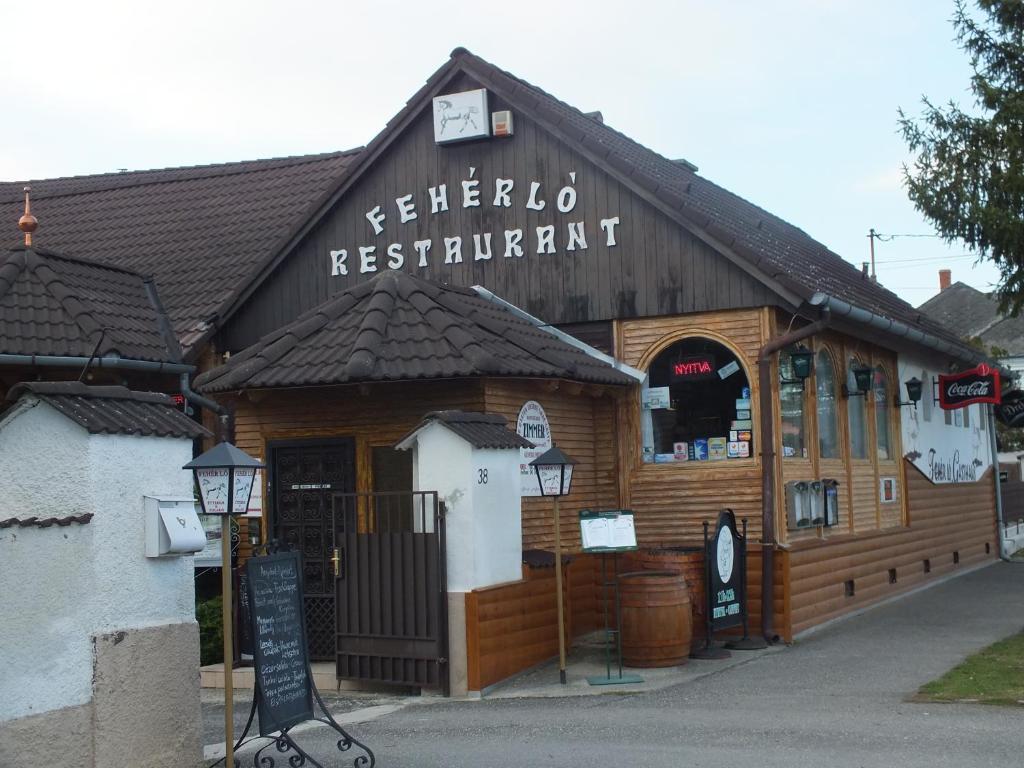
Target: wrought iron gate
[(304, 477), (391, 587)]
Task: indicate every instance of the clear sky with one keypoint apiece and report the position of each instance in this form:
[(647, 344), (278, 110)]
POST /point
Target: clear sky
[(792, 103)]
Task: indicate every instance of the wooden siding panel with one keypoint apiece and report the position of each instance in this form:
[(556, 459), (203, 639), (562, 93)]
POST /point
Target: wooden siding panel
[(582, 426), (946, 518), (672, 501), (512, 627)]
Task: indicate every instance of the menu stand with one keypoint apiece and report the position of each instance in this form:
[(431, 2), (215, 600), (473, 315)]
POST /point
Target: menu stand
[(610, 635)]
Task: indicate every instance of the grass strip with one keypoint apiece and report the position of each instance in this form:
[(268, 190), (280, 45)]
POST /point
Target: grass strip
[(992, 676)]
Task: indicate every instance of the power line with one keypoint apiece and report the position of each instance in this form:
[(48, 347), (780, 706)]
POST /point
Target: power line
[(927, 258), (887, 238)]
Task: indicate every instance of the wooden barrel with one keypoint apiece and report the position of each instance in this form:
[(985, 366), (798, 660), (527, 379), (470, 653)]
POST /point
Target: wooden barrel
[(655, 615), (689, 561)]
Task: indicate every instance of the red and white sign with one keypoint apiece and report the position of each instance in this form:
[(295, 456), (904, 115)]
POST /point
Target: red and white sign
[(978, 385), (693, 368)]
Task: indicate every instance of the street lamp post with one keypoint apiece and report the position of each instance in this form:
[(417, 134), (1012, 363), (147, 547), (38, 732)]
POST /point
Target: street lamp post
[(554, 476), (225, 476)]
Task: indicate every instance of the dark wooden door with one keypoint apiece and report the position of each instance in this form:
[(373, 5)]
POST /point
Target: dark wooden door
[(392, 608), (305, 477)]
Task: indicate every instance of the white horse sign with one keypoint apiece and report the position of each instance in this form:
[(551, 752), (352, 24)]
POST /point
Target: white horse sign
[(461, 116)]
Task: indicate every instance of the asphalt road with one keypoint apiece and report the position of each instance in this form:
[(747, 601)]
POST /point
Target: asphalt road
[(839, 698)]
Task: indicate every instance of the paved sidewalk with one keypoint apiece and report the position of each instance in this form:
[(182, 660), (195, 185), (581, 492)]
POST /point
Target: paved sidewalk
[(837, 699)]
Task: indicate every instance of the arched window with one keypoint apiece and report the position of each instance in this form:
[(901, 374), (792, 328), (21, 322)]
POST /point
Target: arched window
[(791, 401), (855, 408), (828, 415), (880, 386), (696, 404)]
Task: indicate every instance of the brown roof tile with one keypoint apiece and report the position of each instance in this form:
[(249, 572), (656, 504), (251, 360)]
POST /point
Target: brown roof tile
[(398, 327), (112, 410), (481, 430), (198, 231), (46, 522), (54, 305)]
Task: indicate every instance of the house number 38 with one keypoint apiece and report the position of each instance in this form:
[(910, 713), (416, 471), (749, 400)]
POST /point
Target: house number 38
[(481, 477)]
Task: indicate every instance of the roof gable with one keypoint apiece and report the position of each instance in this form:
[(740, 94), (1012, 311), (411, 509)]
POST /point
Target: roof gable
[(51, 305), (398, 328)]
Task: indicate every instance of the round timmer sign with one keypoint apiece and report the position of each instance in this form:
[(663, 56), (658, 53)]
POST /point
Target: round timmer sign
[(533, 425)]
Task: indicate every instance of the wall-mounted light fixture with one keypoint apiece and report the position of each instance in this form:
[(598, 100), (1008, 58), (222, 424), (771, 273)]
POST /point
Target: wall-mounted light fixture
[(800, 361), (914, 388), (862, 378)]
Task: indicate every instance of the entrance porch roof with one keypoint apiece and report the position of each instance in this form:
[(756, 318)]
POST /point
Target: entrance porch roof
[(397, 327)]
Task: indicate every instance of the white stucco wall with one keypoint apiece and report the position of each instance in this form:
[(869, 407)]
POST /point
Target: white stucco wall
[(943, 452), (62, 585), (483, 526)]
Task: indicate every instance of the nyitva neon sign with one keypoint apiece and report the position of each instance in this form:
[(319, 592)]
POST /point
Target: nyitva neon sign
[(693, 368)]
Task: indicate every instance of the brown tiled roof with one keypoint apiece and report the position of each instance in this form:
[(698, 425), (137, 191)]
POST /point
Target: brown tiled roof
[(397, 327), (481, 430), (46, 522), (112, 410), (54, 305), (198, 231)]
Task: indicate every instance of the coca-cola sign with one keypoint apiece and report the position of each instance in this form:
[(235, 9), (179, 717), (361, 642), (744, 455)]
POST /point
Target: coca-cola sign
[(978, 385), (1011, 411)]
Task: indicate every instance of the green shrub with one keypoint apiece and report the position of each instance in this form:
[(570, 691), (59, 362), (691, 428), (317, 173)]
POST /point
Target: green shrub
[(211, 631)]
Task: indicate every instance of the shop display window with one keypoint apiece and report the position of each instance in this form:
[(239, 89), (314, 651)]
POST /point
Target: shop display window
[(856, 407), (696, 405), (792, 401), (880, 387), (828, 414)]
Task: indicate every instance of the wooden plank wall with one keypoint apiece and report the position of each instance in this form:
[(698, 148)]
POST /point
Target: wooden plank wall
[(944, 518), (671, 501), (583, 425), (512, 627), (373, 415)]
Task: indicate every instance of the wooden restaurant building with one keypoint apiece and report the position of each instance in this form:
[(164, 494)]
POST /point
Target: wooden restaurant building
[(497, 257)]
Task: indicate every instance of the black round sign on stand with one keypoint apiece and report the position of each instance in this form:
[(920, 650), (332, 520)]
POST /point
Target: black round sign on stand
[(725, 580)]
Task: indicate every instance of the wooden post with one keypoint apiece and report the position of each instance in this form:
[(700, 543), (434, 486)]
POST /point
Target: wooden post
[(229, 714), (558, 590)]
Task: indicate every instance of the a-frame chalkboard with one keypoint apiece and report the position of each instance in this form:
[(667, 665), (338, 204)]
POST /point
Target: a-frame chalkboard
[(278, 631), (271, 601)]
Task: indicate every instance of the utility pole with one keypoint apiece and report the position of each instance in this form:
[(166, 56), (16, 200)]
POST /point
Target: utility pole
[(871, 238)]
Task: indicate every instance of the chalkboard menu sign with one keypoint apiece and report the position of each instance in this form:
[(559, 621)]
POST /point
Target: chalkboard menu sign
[(284, 689), (725, 559)]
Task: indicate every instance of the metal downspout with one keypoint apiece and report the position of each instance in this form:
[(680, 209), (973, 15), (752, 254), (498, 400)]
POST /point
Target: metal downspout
[(765, 400), (999, 489)]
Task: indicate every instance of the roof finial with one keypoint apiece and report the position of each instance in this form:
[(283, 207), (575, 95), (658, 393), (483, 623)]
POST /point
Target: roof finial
[(28, 223)]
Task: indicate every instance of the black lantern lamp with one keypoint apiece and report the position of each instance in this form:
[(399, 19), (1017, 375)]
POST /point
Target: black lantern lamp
[(554, 476), (554, 472), (862, 378), (225, 476), (914, 389), (800, 361)]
